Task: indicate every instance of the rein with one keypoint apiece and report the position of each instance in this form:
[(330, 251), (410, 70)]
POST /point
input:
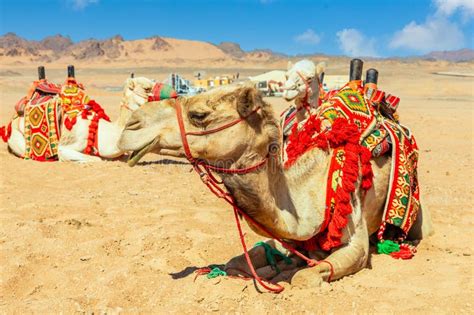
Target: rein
[(204, 170), (306, 104)]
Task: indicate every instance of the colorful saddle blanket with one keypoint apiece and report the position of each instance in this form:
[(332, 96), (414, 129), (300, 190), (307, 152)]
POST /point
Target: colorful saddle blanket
[(403, 201), (161, 92), (350, 124), (75, 102), (41, 86), (42, 128)]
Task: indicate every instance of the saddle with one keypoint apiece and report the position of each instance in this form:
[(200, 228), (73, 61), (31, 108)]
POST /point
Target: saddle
[(358, 126), (42, 126), (42, 87)]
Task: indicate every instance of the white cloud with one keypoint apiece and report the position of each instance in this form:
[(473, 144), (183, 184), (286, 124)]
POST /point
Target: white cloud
[(437, 33), (355, 44), (449, 7), (81, 4), (308, 37)]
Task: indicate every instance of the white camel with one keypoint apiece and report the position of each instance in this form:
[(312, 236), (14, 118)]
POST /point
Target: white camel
[(136, 92), (302, 86)]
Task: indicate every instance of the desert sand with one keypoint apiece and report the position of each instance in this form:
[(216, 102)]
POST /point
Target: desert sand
[(105, 237)]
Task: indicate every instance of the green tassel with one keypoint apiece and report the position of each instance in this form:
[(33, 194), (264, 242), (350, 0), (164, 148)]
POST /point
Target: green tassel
[(216, 272), (387, 247), (271, 253)]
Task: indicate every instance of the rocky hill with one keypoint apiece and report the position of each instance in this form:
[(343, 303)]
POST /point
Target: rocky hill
[(465, 54), (156, 49)]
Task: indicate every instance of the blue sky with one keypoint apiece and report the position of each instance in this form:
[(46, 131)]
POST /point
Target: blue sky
[(356, 28)]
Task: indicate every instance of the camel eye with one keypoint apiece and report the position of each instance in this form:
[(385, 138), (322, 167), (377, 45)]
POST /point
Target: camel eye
[(198, 117)]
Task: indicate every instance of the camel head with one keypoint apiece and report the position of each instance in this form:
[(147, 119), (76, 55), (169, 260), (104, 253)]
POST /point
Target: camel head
[(154, 127), (137, 91), (297, 74)]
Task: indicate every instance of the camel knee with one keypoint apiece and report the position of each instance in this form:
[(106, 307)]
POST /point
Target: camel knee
[(309, 277)]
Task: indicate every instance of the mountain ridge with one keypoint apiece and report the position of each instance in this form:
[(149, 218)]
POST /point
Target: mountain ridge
[(60, 48)]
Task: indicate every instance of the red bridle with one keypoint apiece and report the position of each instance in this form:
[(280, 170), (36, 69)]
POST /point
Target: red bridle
[(205, 172), (306, 94), (200, 163)]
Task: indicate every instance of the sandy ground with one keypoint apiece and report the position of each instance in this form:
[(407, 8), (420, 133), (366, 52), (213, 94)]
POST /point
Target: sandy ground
[(109, 238)]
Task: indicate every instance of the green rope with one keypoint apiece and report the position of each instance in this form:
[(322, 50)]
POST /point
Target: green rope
[(216, 272), (387, 247), (271, 253)]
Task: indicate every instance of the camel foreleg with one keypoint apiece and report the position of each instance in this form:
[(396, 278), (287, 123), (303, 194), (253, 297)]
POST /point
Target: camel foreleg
[(343, 261), (67, 154)]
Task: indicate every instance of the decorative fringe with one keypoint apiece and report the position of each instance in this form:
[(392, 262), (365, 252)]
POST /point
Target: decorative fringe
[(99, 113), (302, 141), (342, 134), (395, 250), (403, 253), (69, 123), (387, 247), (6, 132)]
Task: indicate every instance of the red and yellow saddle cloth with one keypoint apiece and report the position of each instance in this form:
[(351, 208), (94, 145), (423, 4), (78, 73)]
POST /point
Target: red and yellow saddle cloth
[(351, 126), (75, 102), (42, 128)]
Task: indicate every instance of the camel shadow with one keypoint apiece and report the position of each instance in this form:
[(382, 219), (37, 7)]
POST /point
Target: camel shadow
[(162, 162)]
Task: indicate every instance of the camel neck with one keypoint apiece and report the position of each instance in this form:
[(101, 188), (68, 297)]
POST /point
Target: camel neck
[(312, 101), (125, 114), (278, 198)]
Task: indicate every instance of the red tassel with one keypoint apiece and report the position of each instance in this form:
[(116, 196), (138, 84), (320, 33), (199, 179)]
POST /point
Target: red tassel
[(6, 132), (403, 253)]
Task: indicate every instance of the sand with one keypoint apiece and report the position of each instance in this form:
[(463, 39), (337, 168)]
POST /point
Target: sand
[(105, 237)]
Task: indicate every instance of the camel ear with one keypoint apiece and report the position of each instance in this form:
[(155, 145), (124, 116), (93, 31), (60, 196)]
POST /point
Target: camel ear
[(320, 68), (290, 65), (246, 101), (130, 83)]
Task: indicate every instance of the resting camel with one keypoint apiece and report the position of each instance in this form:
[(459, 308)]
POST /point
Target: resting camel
[(73, 142), (289, 203)]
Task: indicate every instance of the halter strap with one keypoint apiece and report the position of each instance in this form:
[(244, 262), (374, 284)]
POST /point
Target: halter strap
[(306, 95), (204, 171), (194, 161)]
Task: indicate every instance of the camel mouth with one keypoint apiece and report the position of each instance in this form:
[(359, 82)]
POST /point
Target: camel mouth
[(289, 99), (137, 155), (289, 96)]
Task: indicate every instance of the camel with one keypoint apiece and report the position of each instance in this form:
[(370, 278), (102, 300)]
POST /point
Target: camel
[(302, 86), (289, 203), (73, 142)]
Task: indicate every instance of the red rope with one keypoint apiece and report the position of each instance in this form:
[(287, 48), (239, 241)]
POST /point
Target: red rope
[(204, 171)]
